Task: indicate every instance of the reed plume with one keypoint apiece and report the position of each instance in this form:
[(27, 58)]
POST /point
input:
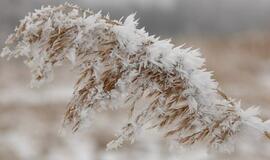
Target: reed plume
[(118, 65)]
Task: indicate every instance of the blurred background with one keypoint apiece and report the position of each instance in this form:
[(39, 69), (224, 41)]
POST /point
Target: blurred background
[(233, 35)]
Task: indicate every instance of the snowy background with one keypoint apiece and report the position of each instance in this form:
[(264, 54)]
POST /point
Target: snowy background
[(233, 35)]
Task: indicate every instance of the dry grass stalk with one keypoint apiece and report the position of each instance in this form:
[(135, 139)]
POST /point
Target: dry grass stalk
[(119, 64)]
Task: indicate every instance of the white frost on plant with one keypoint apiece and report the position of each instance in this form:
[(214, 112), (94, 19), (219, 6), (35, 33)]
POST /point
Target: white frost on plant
[(250, 118), (118, 65), (129, 37)]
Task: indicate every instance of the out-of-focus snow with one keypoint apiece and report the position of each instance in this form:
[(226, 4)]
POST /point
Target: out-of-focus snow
[(20, 95)]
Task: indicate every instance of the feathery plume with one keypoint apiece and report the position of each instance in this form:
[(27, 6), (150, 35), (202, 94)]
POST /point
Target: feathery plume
[(118, 65)]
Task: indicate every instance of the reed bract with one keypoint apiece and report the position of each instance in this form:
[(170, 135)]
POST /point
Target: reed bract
[(118, 64)]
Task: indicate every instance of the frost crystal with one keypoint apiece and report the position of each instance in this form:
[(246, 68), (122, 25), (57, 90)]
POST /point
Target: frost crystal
[(118, 65)]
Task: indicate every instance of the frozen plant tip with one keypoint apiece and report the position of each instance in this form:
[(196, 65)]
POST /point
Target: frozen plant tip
[(118, 65)]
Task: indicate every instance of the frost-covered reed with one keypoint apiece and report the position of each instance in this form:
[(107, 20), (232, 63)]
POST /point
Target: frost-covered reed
[(118, 65)]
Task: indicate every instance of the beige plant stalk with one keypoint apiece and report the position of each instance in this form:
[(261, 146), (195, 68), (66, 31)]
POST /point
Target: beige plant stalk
[(119, 65)]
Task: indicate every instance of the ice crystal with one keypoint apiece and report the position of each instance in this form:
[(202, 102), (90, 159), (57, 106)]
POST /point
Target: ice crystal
[(118, 65)]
